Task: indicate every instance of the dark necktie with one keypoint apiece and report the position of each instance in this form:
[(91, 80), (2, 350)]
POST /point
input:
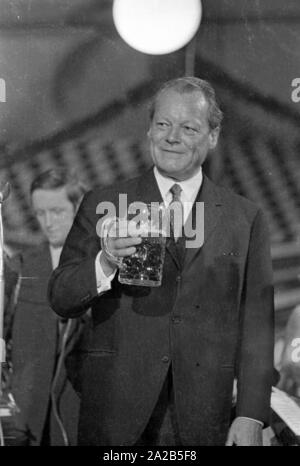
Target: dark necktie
[(176, 222)]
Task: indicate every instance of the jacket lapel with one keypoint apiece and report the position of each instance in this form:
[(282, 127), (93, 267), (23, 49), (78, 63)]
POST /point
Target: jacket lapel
[(147, 189), (212, 210)]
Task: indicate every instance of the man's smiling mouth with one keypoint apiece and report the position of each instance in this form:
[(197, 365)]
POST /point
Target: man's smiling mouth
[(170, 151)]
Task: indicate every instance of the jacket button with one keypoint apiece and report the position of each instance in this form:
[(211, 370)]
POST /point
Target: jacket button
[(178, 278), (176, 320), (165, 359)]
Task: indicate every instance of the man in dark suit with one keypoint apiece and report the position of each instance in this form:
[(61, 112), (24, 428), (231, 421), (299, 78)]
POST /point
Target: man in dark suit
[(161, 361), (48, 404)]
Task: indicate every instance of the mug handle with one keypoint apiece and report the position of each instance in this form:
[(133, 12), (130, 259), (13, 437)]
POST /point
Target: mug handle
[(105, 229)]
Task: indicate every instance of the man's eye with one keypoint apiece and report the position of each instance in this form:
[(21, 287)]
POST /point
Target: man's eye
[(57, 211), (190, 129), (161, 124)]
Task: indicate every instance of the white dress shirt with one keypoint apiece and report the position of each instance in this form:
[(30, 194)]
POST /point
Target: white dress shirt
[(55, 255), (188, 194)]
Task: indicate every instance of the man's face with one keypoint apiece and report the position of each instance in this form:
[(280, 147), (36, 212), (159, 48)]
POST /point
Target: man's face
[(54, 212), (180, 136)]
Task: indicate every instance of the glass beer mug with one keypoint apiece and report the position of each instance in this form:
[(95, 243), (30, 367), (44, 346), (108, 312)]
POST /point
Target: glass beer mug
[(145, 266)]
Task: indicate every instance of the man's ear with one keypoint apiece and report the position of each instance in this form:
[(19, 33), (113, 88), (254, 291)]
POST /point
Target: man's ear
[(213, 137)]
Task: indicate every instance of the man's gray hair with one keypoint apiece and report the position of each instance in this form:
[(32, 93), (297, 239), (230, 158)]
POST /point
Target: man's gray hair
[(189, 84)]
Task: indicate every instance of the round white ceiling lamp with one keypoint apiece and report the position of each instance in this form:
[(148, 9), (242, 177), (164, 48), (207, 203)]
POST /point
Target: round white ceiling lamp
[(157, 27)]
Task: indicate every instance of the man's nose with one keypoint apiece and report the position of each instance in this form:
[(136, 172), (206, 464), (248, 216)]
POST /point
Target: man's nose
[(173, 135), (49, 219)]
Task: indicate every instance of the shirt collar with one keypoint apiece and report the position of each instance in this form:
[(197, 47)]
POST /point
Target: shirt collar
[(55, 255), (190, 187)]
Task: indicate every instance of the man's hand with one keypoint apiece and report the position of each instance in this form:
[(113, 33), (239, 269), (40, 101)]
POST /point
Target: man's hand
[(118, 247), (244, 432)]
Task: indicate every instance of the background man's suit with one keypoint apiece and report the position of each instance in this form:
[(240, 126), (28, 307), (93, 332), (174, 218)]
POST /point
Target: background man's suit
[(212, 320), (35, 353)]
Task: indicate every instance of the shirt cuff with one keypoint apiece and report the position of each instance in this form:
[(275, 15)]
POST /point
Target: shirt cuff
[(251, 419), (102, 281)]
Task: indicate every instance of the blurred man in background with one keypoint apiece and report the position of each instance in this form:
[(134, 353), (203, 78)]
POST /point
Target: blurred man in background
[(47, 402)]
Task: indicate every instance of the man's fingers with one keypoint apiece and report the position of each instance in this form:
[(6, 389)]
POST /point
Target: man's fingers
[(229, 442), (123, 252), (123, 243), (123, 247), (230, 439)]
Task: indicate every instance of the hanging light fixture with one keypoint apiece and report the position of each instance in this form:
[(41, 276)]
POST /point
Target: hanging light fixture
[(157, 27)]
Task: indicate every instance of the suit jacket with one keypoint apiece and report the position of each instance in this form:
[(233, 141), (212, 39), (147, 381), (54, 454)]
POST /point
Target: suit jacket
[(212, 320), (35, 352)]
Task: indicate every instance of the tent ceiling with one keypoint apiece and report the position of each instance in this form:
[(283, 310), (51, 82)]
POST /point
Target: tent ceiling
[(59, 11)]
